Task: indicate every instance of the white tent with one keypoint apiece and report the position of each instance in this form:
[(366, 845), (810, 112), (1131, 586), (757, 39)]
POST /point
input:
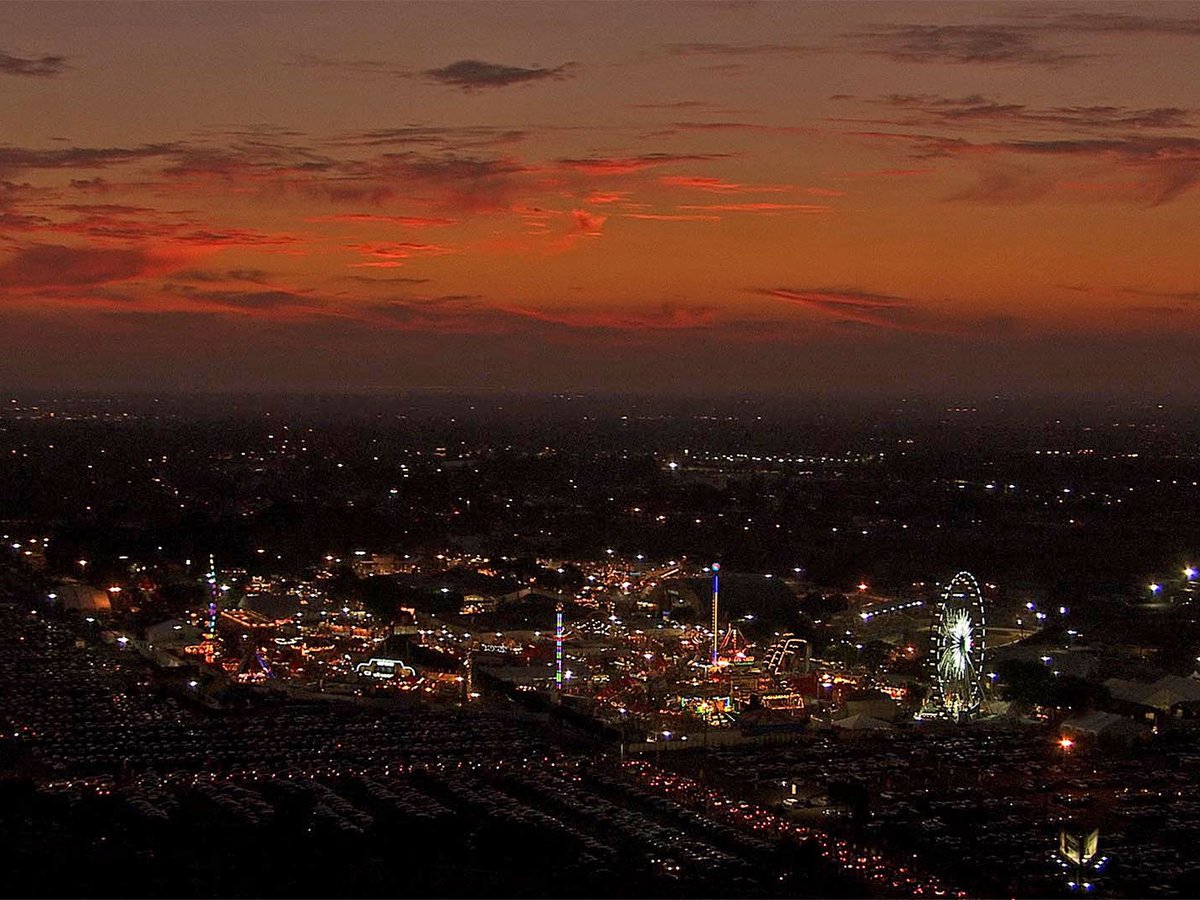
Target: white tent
[(861, 723)]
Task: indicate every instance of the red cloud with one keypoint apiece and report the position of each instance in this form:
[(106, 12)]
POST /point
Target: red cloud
[(761, 207), (588, 223), (54, 265), (388, 256), (607, 197), (626, 165), (717, 186)]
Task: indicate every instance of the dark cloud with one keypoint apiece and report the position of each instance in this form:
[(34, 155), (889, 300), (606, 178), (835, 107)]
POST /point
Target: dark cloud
[(465, 74), (743, 126), (723, 49), (1185, 296), (1035, 41), (362, 66), (113, 209), (392, 255), (474, 314), (394, 279), (886, 312), (678, 104), (243, 300), (18, 158), (848, 305), (447, 137), (237, 237), (11, 221), (12, 193), (1164, 167), (933, 109), (666, 317), (964, 44), (623, 165), (1004, 184), (837, 299), (53, 265), (449, 182), (1168, 166), (254, 276), (261, 159), (1160, 310), (1122, 23), (473, 74), (32, 66)]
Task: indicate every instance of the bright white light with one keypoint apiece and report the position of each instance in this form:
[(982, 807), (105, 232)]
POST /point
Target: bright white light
[(955, 661)]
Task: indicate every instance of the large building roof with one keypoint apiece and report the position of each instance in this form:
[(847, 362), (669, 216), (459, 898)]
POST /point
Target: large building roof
[(74, 595), (1161, 694)]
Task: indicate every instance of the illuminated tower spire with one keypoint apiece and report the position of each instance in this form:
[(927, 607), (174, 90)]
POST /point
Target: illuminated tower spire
[(716, 570), (558, 646), (213, 593)]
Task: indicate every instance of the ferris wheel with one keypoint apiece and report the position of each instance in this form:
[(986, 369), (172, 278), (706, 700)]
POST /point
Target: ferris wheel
[(959, 634)]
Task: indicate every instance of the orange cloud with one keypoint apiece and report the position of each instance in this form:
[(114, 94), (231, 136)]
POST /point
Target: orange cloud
[(628, 164), (667, 217), (392, 255), (761, 207), (717, 186)]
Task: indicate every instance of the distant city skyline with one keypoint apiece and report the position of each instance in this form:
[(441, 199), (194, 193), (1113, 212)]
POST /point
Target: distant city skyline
[(862, 198)]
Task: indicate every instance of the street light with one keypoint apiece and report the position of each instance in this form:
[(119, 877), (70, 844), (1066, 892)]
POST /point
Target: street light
[(1065, 743)]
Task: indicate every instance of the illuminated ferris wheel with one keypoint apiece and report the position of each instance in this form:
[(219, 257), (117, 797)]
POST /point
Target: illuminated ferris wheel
[(958, 635)]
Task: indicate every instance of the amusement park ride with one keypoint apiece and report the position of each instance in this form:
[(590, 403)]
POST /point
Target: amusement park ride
[(958, 635), (958, 642)]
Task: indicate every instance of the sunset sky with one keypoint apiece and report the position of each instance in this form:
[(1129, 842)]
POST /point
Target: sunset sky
[(783, 198)]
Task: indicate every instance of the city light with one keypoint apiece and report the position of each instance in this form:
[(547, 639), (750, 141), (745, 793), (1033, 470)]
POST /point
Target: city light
[(421, 671)]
